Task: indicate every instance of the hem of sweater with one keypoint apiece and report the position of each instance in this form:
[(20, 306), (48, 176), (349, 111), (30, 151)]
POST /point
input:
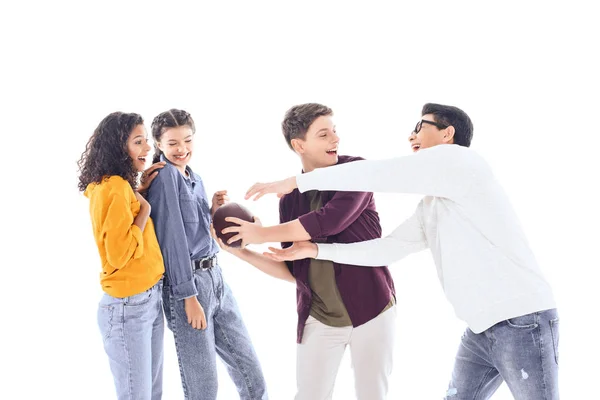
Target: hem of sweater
[(121, 293), (515, 307)]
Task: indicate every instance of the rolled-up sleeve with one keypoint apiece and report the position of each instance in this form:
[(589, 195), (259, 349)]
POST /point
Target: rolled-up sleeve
[(339, 213), (163, 197)]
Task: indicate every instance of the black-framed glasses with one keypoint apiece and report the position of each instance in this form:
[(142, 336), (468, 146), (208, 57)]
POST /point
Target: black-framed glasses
[(424, 121)]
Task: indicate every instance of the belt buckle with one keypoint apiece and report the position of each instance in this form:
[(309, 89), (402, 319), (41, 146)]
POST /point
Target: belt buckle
[(210, 261)]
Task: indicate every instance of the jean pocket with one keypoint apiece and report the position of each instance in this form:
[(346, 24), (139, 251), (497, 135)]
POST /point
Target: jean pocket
[(555, 336), (528, 321), (105, 320), (189, 208)]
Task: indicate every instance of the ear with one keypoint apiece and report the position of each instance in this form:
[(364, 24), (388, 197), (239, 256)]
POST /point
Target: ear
[(298, 145), (159, 145), (449, 134)]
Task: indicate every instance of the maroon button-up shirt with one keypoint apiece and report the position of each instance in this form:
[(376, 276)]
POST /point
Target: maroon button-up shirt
[(345, 217)]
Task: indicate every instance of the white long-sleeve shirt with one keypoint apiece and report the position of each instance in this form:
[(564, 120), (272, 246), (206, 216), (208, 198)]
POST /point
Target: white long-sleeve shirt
[(483, 260)]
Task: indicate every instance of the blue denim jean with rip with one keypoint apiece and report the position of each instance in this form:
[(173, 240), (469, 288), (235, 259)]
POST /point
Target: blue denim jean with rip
[(225, 336), (521, 351), (133, 332)]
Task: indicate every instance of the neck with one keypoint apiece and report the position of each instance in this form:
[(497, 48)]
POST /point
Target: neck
[(307, 166), (181, 169)]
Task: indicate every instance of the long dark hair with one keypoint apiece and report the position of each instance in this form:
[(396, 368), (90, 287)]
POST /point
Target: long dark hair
[(106, 152), (169, 119)]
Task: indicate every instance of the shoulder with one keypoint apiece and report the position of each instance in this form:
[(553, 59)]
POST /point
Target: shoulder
[(110, 187), (114, 183), (453, 150), (168, 173)]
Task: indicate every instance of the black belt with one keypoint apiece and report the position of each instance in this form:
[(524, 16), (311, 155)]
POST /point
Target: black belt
[(204, 263)]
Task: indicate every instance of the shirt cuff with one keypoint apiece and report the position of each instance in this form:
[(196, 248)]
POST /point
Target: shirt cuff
[(301, 183), (185, 290), (326, 251)]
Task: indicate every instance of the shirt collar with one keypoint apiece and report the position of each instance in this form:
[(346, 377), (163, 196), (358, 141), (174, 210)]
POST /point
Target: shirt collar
[(187, 168)]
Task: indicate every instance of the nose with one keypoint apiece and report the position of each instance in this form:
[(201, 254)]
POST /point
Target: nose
[(412, 136), (148, 147), (336, 138)]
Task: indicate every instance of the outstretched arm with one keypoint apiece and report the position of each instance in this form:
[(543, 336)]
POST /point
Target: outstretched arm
[(407, 238), (442, 171)]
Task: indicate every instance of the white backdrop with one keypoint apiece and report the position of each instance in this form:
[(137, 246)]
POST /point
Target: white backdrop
[(527, 74)]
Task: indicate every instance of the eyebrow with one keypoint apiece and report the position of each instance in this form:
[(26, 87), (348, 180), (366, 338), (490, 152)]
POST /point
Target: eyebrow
[(174, 140), (138, 136)]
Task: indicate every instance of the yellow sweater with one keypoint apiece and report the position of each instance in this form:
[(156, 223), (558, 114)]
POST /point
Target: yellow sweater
[(131, 259)]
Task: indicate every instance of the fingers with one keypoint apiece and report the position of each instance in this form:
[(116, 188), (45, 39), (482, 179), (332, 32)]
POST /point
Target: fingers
[(251, 191), (154, 167), (272, 256), (149, 178), (151, 171), (221, 244), (239, 222), (258, 191), (220, 197), (198, 320), (259, 195), (235, 238), (231, 229), (275, 250)]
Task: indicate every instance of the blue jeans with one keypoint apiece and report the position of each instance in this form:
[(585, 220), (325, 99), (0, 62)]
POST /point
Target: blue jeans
[(225, 335), (133, 331), (522, 351)]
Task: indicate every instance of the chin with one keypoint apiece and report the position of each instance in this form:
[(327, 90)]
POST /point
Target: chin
[(331, 163)]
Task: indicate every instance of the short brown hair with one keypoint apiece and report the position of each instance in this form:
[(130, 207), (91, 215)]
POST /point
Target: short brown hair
[(298, 119)]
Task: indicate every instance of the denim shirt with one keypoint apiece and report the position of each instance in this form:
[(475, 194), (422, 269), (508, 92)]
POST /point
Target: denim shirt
[(181, 213)]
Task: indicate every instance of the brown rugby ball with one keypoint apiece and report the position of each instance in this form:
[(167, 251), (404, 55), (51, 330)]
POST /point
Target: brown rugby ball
[(230, 210)]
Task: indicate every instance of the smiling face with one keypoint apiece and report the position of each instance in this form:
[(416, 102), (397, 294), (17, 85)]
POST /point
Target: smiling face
[(138, 147), (319, 148), (429, 133), (177, 144)]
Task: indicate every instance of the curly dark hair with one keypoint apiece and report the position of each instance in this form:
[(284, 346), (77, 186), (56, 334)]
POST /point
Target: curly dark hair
[(298, 119), (169, 119), (106, 152)]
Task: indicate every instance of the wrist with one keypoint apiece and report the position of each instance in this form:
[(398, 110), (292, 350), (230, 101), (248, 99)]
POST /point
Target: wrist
[(315, 250), (262, 235)]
